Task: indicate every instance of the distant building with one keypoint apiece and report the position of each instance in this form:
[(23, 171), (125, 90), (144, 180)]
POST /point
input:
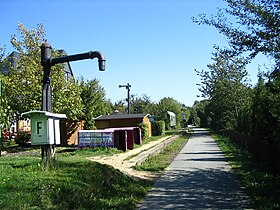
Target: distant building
[(67, 68), (122, 120), (12, 60), (172, 119)]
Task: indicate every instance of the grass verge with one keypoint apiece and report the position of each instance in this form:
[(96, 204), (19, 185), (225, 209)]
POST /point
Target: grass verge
[(162, 160), (70, 183), (259, 182)]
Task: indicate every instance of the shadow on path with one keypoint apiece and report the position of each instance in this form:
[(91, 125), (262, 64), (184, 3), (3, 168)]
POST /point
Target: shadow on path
[(198, 178), (198, 189)]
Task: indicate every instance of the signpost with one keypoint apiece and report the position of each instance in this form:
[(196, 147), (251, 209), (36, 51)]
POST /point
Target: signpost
[(45, 128)]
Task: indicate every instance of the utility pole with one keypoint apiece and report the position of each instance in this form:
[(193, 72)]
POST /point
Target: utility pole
[(127, 86), (48, 151)]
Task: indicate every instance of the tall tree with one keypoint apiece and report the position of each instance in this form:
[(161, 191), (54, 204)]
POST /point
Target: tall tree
[(94, 101), (142, 104), (260, 110), (23, 86), (199, 116), (2, 99), (168, 104), (226, 87), (120, 106), (256, 29)]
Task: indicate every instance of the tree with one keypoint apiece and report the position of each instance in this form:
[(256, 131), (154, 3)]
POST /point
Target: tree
[(2, 109), (23, 86), (256, 29), (273, 99), (168, 104), (142, 104), (260, 110), (120, 106), (199, 115), (94, 101), (226, 87)]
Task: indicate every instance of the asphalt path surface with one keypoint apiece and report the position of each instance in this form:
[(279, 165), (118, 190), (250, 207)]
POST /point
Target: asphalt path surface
[(198, 178)]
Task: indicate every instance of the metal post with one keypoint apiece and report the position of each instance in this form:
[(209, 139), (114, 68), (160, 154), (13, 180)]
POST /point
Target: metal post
[(128, 97), (46, 53), (48, 151), (128, 86)]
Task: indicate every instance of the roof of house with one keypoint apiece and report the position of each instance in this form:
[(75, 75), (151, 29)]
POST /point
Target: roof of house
[(120, 116), (67, 67), (12, 60), (14, 56)]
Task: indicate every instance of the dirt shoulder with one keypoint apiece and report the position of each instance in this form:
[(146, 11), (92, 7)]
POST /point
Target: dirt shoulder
[(123, 161)]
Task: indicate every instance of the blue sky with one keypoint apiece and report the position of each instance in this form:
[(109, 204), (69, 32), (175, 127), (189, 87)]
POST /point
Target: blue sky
[(151, 44)]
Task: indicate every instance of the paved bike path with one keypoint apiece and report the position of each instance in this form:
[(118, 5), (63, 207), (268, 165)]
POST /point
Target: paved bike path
[(198, 178)]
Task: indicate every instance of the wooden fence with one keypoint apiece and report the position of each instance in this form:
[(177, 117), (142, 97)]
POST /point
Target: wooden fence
[(269, 154)]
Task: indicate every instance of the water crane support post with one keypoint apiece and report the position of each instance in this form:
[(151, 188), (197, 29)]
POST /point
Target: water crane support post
[(48, 151)]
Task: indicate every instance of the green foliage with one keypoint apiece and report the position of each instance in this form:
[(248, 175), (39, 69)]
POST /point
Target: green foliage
[(23, 86), (94, 101), (22, 138), (144, 130), (141, 104), (168, 104), (256, 27), (120, 106), (199, 115), (265, 110), (162, 160), (158, 128), (66, 93), (70, 183), (273, 95), (255, 31), (4, 112), (225, 84), (261, 184)]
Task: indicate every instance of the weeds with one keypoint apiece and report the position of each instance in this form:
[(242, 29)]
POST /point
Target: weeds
[(259, 182), (162, 160)]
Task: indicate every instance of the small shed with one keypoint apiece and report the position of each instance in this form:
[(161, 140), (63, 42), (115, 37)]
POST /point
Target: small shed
[(122, 120)]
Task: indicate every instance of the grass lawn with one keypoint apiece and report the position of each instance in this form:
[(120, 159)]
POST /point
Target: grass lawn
[(72, 182), (260, 183)]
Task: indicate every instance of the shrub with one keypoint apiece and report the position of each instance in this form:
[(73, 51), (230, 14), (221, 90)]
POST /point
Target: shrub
[(22, 138), (144, 130), (158, 128)]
